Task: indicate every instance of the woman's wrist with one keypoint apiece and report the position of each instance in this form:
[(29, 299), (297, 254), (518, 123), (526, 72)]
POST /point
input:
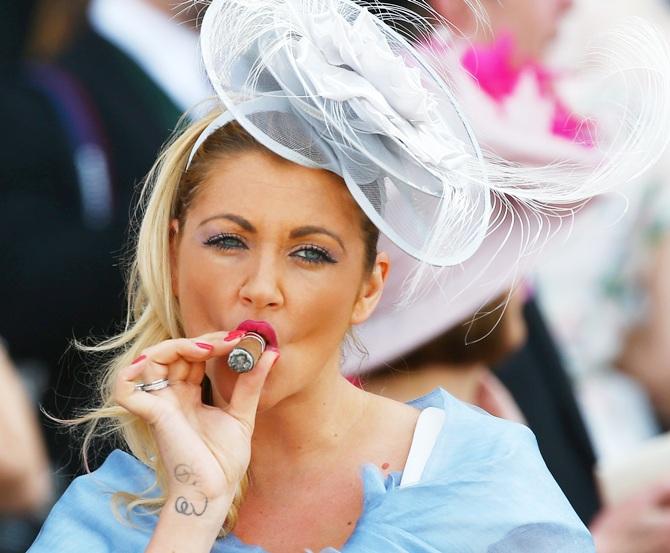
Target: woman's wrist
[(193, 503), (189, 522)]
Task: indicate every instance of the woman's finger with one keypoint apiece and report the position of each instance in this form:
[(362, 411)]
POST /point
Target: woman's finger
[(248, 387), (196, 374), (192, 349), (182, 355), (171, 351), (177, 360), (153, 372), (143, 404)]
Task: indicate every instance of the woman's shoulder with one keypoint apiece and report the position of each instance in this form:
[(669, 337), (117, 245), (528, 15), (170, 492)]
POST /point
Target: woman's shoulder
[(86, 516)]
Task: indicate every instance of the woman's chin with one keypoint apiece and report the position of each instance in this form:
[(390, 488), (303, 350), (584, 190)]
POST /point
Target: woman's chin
[(270, 398)]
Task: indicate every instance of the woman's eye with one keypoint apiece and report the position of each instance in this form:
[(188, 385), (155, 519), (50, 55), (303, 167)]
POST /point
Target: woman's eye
[(313, 254), (226, 242)]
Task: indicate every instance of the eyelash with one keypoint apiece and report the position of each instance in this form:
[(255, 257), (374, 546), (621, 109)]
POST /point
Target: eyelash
[(219, 241), (324, 256)]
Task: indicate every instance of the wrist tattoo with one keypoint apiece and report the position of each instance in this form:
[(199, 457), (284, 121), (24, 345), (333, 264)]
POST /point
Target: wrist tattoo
[(184, 474), (185, 507)]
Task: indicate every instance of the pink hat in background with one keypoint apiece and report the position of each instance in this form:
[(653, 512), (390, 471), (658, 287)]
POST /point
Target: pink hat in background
[(520, 121)]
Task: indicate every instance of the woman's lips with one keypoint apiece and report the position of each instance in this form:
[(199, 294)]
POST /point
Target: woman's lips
[(264, 329)]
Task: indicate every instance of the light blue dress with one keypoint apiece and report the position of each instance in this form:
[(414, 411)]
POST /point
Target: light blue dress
[(484, 489)]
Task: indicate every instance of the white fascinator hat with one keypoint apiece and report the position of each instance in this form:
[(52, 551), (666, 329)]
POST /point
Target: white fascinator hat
[(333, 84)]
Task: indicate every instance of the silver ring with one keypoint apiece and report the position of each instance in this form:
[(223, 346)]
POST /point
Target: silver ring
[(152, 386)]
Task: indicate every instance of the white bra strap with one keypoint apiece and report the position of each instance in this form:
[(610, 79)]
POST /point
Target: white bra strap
[(428, 428)]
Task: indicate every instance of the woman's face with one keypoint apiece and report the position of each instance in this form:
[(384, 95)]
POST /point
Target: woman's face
[(269, 240), (534, 23)]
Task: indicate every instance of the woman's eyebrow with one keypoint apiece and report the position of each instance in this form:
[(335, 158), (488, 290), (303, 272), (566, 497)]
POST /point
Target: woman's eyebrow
[(237, 219), (301, 232)]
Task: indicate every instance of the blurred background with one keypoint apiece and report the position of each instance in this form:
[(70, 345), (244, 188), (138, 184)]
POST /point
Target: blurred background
[(88, 93)]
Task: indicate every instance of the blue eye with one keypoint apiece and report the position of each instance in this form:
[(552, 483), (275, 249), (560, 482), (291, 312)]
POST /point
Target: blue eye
[(226, 242), (313, 254)]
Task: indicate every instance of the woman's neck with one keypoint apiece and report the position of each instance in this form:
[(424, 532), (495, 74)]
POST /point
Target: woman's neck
[(307, 452), (304, 428)]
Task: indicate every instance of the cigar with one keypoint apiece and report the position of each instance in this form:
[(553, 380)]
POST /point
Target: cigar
[(247, 353)]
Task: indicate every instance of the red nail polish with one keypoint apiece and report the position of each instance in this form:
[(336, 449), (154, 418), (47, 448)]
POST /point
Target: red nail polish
[(140, 358), (233, 335), (203, 345)]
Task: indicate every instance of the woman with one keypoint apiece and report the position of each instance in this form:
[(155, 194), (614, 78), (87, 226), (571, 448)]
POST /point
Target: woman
[(233, 260), (261, 218)]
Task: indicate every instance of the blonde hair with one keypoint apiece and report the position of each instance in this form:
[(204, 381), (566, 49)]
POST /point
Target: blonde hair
[(153, 313)]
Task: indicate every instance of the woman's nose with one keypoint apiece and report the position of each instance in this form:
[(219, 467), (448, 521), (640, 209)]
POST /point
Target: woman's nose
[(261, 288)]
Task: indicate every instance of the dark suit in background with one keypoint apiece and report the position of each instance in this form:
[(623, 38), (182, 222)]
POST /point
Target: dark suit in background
[(79, 136)]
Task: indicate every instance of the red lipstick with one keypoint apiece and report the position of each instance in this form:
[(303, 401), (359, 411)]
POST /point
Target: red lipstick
[(264, 329)]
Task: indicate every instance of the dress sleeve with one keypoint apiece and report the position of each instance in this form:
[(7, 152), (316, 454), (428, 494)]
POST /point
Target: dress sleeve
[(507, 490), (83, 520), (543, 538)]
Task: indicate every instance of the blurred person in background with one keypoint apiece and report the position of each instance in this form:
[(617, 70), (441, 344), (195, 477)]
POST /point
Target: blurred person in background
[(611, 314), (80, 132), (25, 480), (513, 103), (522, 31), (24, 471), (512, 90), (25, 476)]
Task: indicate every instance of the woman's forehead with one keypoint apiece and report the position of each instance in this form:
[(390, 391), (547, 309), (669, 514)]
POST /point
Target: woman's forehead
[(265, 187)]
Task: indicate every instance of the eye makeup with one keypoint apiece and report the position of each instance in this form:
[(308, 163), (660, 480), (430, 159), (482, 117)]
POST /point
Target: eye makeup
[(307, 253), (313, 254), (226, 241)]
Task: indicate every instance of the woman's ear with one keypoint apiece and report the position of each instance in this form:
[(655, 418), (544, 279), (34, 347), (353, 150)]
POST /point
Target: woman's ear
[(371, 290), (174, 256)]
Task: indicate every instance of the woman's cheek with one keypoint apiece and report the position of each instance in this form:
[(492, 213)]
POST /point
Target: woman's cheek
[(202, 295)]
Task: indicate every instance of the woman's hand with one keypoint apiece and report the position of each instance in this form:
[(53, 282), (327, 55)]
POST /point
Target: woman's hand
[(205, 450)]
